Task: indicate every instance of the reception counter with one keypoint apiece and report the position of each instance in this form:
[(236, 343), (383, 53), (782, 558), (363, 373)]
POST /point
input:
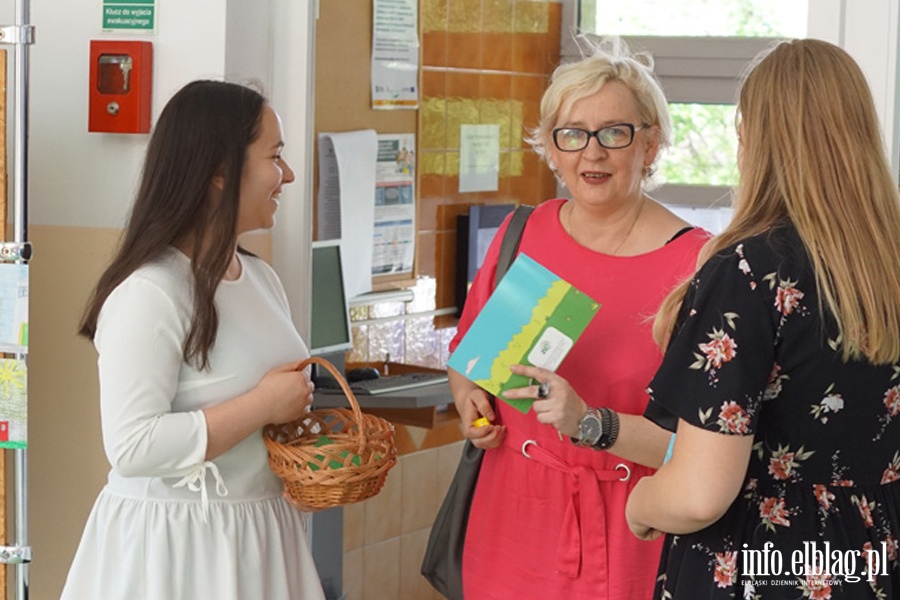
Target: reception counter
[(430, 407)]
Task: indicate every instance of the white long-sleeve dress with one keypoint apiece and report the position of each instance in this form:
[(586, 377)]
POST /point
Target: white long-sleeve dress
[(169, 525)]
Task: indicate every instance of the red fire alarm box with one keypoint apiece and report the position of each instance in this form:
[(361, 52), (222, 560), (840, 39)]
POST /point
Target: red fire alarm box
[(121, 86)]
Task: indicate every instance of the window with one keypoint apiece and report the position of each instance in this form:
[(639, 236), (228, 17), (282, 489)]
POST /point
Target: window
[(741, 18), (704, 149), (700, 49)]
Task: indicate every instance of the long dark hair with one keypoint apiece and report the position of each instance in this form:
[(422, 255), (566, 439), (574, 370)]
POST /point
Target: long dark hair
[(203, 132)]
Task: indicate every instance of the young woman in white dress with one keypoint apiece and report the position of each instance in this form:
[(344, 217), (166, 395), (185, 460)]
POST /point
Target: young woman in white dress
[(197, 352)]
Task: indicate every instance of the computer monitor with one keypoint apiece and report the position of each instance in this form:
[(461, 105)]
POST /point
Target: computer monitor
[(474, 233), (329, 313)]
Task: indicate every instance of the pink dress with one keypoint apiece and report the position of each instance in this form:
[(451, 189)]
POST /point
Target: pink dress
[(553, 525)]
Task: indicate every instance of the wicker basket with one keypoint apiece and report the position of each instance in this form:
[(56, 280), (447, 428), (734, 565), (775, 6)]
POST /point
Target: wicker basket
[(332, 456)]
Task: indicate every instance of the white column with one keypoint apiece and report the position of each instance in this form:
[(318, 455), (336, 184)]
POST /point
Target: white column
[(293, 97)]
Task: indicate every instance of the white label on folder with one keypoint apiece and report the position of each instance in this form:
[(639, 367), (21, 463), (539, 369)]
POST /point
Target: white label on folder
[(550, 349)]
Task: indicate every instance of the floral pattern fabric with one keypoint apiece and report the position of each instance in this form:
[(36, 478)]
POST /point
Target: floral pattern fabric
[(819, 513)]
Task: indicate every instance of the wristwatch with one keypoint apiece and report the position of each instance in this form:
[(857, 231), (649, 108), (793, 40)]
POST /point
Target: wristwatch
[(598, 428), (590, 428)]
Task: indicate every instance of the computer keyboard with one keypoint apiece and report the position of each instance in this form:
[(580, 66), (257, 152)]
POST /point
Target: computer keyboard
[(387, 384)]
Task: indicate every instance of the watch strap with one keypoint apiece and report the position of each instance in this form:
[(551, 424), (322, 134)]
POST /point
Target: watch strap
[(610, 420)]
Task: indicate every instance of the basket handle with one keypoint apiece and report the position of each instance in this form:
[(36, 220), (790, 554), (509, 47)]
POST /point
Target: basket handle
[(354, 403)]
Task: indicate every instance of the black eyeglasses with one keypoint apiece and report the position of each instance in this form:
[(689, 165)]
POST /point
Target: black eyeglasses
[(614, 137)]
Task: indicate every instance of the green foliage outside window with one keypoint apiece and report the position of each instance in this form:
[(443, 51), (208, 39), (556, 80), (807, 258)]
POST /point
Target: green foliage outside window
[(704, 150)]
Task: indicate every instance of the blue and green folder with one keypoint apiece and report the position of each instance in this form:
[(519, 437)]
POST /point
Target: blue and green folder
[(533, 318)]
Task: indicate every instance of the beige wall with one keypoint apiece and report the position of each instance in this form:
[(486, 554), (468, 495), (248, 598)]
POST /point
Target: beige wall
[(66, 464)]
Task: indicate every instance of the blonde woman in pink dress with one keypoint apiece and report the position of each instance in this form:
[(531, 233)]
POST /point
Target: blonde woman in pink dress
[(550, 522)]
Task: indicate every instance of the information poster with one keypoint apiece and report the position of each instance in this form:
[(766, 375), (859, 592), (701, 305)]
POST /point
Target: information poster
[(395, 207), (13, 403), (13, 340), (395, 54), (479, 158), (13, 308)]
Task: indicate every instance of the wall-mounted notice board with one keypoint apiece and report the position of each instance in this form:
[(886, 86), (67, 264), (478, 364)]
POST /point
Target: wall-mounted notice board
[(343, 91)]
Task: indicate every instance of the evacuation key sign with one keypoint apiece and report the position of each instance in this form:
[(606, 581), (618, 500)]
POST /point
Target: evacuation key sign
[(130, 15)]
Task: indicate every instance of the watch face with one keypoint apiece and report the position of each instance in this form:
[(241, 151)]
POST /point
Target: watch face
[(590, 429)]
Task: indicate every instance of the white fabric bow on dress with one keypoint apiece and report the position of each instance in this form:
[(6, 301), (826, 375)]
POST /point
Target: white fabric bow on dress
[(195, 480)]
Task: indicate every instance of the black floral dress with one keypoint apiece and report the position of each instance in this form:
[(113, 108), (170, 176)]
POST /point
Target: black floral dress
[(819, 514)]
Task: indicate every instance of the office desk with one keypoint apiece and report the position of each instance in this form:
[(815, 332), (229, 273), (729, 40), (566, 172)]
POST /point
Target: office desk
[(425, 406)]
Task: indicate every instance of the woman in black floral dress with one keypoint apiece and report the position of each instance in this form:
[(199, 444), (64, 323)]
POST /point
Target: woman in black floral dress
[(781, 374)]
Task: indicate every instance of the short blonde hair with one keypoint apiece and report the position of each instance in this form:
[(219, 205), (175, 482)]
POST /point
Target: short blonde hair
[(603, 59)]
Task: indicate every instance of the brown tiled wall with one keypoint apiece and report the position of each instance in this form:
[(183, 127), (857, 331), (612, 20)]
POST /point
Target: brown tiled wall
[(483, 62)]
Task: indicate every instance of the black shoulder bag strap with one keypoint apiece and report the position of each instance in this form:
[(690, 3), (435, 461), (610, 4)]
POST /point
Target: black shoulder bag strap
[(509, 246)]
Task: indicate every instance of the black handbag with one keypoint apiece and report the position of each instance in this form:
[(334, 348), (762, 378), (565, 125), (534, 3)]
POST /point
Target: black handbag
[(442, 565)]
